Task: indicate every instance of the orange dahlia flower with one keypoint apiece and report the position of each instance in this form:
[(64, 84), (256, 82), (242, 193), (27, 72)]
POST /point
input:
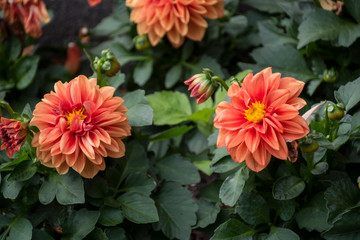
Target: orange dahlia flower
[(263, 113), (175, 18), (94, 2), (29, 12), (79, 125), (13, 135)]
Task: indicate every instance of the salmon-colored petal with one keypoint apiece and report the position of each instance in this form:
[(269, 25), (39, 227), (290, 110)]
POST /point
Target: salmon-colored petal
[(252, 140)]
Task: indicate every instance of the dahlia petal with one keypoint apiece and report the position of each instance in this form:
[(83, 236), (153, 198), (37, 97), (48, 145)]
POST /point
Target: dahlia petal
[(153, 37), (252, 140), (294, 86), (282, 152), (80, 163), (174, 37), (236, 139), (285, 112), (230, 119), (68, 143), (195, 32), (241, 152), (270, 138), (261, 155), (297, 102), (62, 169), (86, 148), (254, 165), (277, 97), (90, 170)]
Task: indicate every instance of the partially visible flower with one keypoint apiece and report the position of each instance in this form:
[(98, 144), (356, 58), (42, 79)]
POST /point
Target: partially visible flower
[(72, 63), (108, 63), (80, 124), (330, 5), (263, 113), (202, 85), (29, 12), (177, 19), (13, 135), (84, 35), (141, 42), (94, 2)]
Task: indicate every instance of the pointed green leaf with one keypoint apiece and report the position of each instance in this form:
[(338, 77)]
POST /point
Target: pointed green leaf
[(253, 209), (288, 187), (233, 229), (277, 233), (177, 211), (348, 94), (233, 186), (70, 189), (21, 229), (138, 208)]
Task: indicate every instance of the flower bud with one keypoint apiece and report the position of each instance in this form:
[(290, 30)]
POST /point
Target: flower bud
[(13, 135), (202, 85), (108, 63), (142, 42), (335, 112), (329, 75), (309, 145)]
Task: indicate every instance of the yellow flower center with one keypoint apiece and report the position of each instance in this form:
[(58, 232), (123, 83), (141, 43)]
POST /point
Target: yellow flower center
[(70, 115), (256, 112)]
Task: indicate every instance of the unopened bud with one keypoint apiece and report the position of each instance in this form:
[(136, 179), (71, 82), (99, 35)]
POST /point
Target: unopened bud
[(141, 42), (202, 85)]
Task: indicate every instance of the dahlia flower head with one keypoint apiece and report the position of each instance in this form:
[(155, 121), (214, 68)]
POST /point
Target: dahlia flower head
[(29, 12), (13, 135), (94, 2), (80, 124), (262, 115), (175, 18)]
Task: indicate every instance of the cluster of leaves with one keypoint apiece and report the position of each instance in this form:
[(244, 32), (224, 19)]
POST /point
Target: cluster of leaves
[(174, 183)]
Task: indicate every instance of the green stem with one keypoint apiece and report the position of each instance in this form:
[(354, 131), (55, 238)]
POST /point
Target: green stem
[(222, 82), (88, 54), (99, 74), (327, 121)]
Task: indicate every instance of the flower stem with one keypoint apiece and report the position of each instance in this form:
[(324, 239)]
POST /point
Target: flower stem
[(99, 75), (222, 82)]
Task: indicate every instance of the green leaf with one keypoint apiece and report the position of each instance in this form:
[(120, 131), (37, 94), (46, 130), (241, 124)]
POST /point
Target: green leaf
[(355, 122), (271, 35), (314, 215), (48, 190), (133, 98), (96, 234), (80, 224), (208, 62), (348, 94), (177, 211), (222, 162), (124, 55), (236, 25), (140, 115), (138, 208), (136, 158), (345, 228), (325, 25), (115, 234), (173, 167), (25, 69), (116, 80), (353, 7), (204, 166), (107, 26), (138, 182), (288, 187), (12, 47), (169, 107), (22, 172), (173, 76), (233, 229), (170, 133), (313, 85), (340, 197), (202, 115), (38, 234), (253, 209), (233, 186), (285, 209), (290, 63), (207, 213), (270, 7), (10, 189), (21, 229), (277, 233), (70, 188), (110, 216), (142, 72)]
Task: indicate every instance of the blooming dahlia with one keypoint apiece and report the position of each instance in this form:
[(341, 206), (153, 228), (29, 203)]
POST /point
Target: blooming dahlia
[(263, 113), (79, 125), (13, 135), (175, 18), (29, 12)]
